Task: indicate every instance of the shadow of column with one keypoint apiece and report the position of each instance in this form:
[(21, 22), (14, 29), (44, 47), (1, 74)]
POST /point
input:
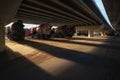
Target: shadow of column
[(14, 66)]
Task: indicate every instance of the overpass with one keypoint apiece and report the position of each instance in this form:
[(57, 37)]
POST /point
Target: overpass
[(56, 12)]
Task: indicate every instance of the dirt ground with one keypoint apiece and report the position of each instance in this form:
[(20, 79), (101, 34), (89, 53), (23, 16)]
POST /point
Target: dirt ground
[(77, 58)]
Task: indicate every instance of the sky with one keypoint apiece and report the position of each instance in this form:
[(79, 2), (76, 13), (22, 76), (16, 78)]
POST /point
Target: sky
[(101, 7), (30, 25), (103, 11)]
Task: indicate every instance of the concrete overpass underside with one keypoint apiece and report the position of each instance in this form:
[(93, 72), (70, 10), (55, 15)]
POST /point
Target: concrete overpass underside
[(70, 12)]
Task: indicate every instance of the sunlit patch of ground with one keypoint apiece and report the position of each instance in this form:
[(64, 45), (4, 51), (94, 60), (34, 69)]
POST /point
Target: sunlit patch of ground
[(63, 59)]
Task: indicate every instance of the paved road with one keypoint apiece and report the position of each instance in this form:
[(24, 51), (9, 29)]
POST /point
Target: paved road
[(78, 58)]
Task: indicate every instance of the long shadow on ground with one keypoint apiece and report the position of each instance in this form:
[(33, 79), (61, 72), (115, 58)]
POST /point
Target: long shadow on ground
[(116, 47), (107, 39), (88, 39), (14, 66), (98, 63)]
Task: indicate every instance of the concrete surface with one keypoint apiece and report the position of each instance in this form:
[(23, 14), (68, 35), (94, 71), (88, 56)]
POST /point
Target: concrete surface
[(77, 58)]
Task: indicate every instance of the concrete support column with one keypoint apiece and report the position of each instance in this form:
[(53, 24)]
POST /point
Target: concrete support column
[(2, 38), (76, 31), (90, 33), (101, 33), (8, 9)]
